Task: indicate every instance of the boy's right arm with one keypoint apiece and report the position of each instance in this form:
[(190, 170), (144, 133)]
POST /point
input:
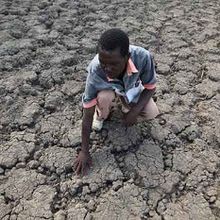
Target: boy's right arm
[(84, 160)]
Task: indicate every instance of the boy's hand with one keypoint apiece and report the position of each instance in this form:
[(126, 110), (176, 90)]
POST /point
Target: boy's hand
[(130, 118), (83, 163)]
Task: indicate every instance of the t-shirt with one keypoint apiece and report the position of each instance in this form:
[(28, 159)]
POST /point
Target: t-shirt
[(140, 74)]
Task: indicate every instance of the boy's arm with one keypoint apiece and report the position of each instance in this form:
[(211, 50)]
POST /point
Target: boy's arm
[(86, 127), (84, 161), (131, 116), (148, 78), (143, 100)]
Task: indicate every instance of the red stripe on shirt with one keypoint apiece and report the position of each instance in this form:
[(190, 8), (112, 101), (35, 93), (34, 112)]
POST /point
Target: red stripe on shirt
[(90, 104), (149, 86)]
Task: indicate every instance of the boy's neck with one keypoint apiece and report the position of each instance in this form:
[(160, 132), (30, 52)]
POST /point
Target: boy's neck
[(120, 77)]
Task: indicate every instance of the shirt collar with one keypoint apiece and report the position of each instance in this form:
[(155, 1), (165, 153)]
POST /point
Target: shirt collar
[(131, 68)]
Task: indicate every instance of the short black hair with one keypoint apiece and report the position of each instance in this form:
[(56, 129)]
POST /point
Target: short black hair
[(114, 38)]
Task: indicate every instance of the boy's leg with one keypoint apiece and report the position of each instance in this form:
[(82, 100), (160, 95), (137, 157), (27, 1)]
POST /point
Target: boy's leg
[(104, 103), (103, 107), (150, 110)]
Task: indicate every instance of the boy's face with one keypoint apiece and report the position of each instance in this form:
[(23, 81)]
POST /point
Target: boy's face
[(112, 62)]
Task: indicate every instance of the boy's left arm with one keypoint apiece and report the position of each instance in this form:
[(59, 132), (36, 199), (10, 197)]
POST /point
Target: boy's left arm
[(131, 117), (148, 78)]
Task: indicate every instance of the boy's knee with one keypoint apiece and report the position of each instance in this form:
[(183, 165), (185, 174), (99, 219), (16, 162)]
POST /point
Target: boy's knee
[(106, 95)]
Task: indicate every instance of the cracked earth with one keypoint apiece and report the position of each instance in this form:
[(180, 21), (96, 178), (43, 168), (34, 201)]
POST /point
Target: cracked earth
[(164, 169)]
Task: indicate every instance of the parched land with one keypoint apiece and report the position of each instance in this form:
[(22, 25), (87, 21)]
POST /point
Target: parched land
[(165, 169)]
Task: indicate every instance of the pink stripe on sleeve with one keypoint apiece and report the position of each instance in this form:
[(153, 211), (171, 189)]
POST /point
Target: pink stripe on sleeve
[(90, 104), (131, 67), (149, 86)]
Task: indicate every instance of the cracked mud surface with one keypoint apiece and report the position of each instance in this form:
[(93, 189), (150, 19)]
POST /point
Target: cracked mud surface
[(165, 169)]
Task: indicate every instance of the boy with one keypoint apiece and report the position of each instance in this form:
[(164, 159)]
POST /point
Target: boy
[(118, 69)]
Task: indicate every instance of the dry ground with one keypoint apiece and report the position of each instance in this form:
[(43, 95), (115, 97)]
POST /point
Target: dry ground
[(166, 169)]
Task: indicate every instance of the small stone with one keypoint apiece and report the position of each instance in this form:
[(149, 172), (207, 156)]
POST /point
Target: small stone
[(111, 146), (145, 194), (161, 207), (33, 164), (91, 205), (64, 200), (56, 206), (63, 176), (86, 198), (212, 199), (59, 171), (20, 165), (93, 136), (85, 190), (104, 133), (93, 187), (53, 34), (53, 177), (118, 148), (53, 100), (121, 164), (131, 180), (7, 171), (66, 194), (79, 206), (1, 171), (37, 155), (211, 192), (55, 141), (205, 183), (150, 202), (217, 203), (165, 201), (179, 88), (78, 182), (214, 75), (168, 163), (60, 215), (40, 169), (73, 191), (193, 132), (151, 213), (125, 147), (163, 69), (118, 158), (88, 217), (181, 187), (162, 121), (133, 175), (63, 188), (13, 217), (117, 185)]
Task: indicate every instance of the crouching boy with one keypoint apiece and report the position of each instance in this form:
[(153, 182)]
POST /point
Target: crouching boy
[(119, 69)]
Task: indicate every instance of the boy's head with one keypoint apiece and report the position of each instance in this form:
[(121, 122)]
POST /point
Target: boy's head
[(113, 50)]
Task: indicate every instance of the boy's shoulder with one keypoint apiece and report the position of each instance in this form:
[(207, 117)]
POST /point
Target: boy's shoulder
[(138, 51), (94, 64), (139, 55)]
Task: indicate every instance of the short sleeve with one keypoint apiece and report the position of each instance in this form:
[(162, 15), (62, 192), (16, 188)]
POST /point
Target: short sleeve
[(148, 73), (89, 98)]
